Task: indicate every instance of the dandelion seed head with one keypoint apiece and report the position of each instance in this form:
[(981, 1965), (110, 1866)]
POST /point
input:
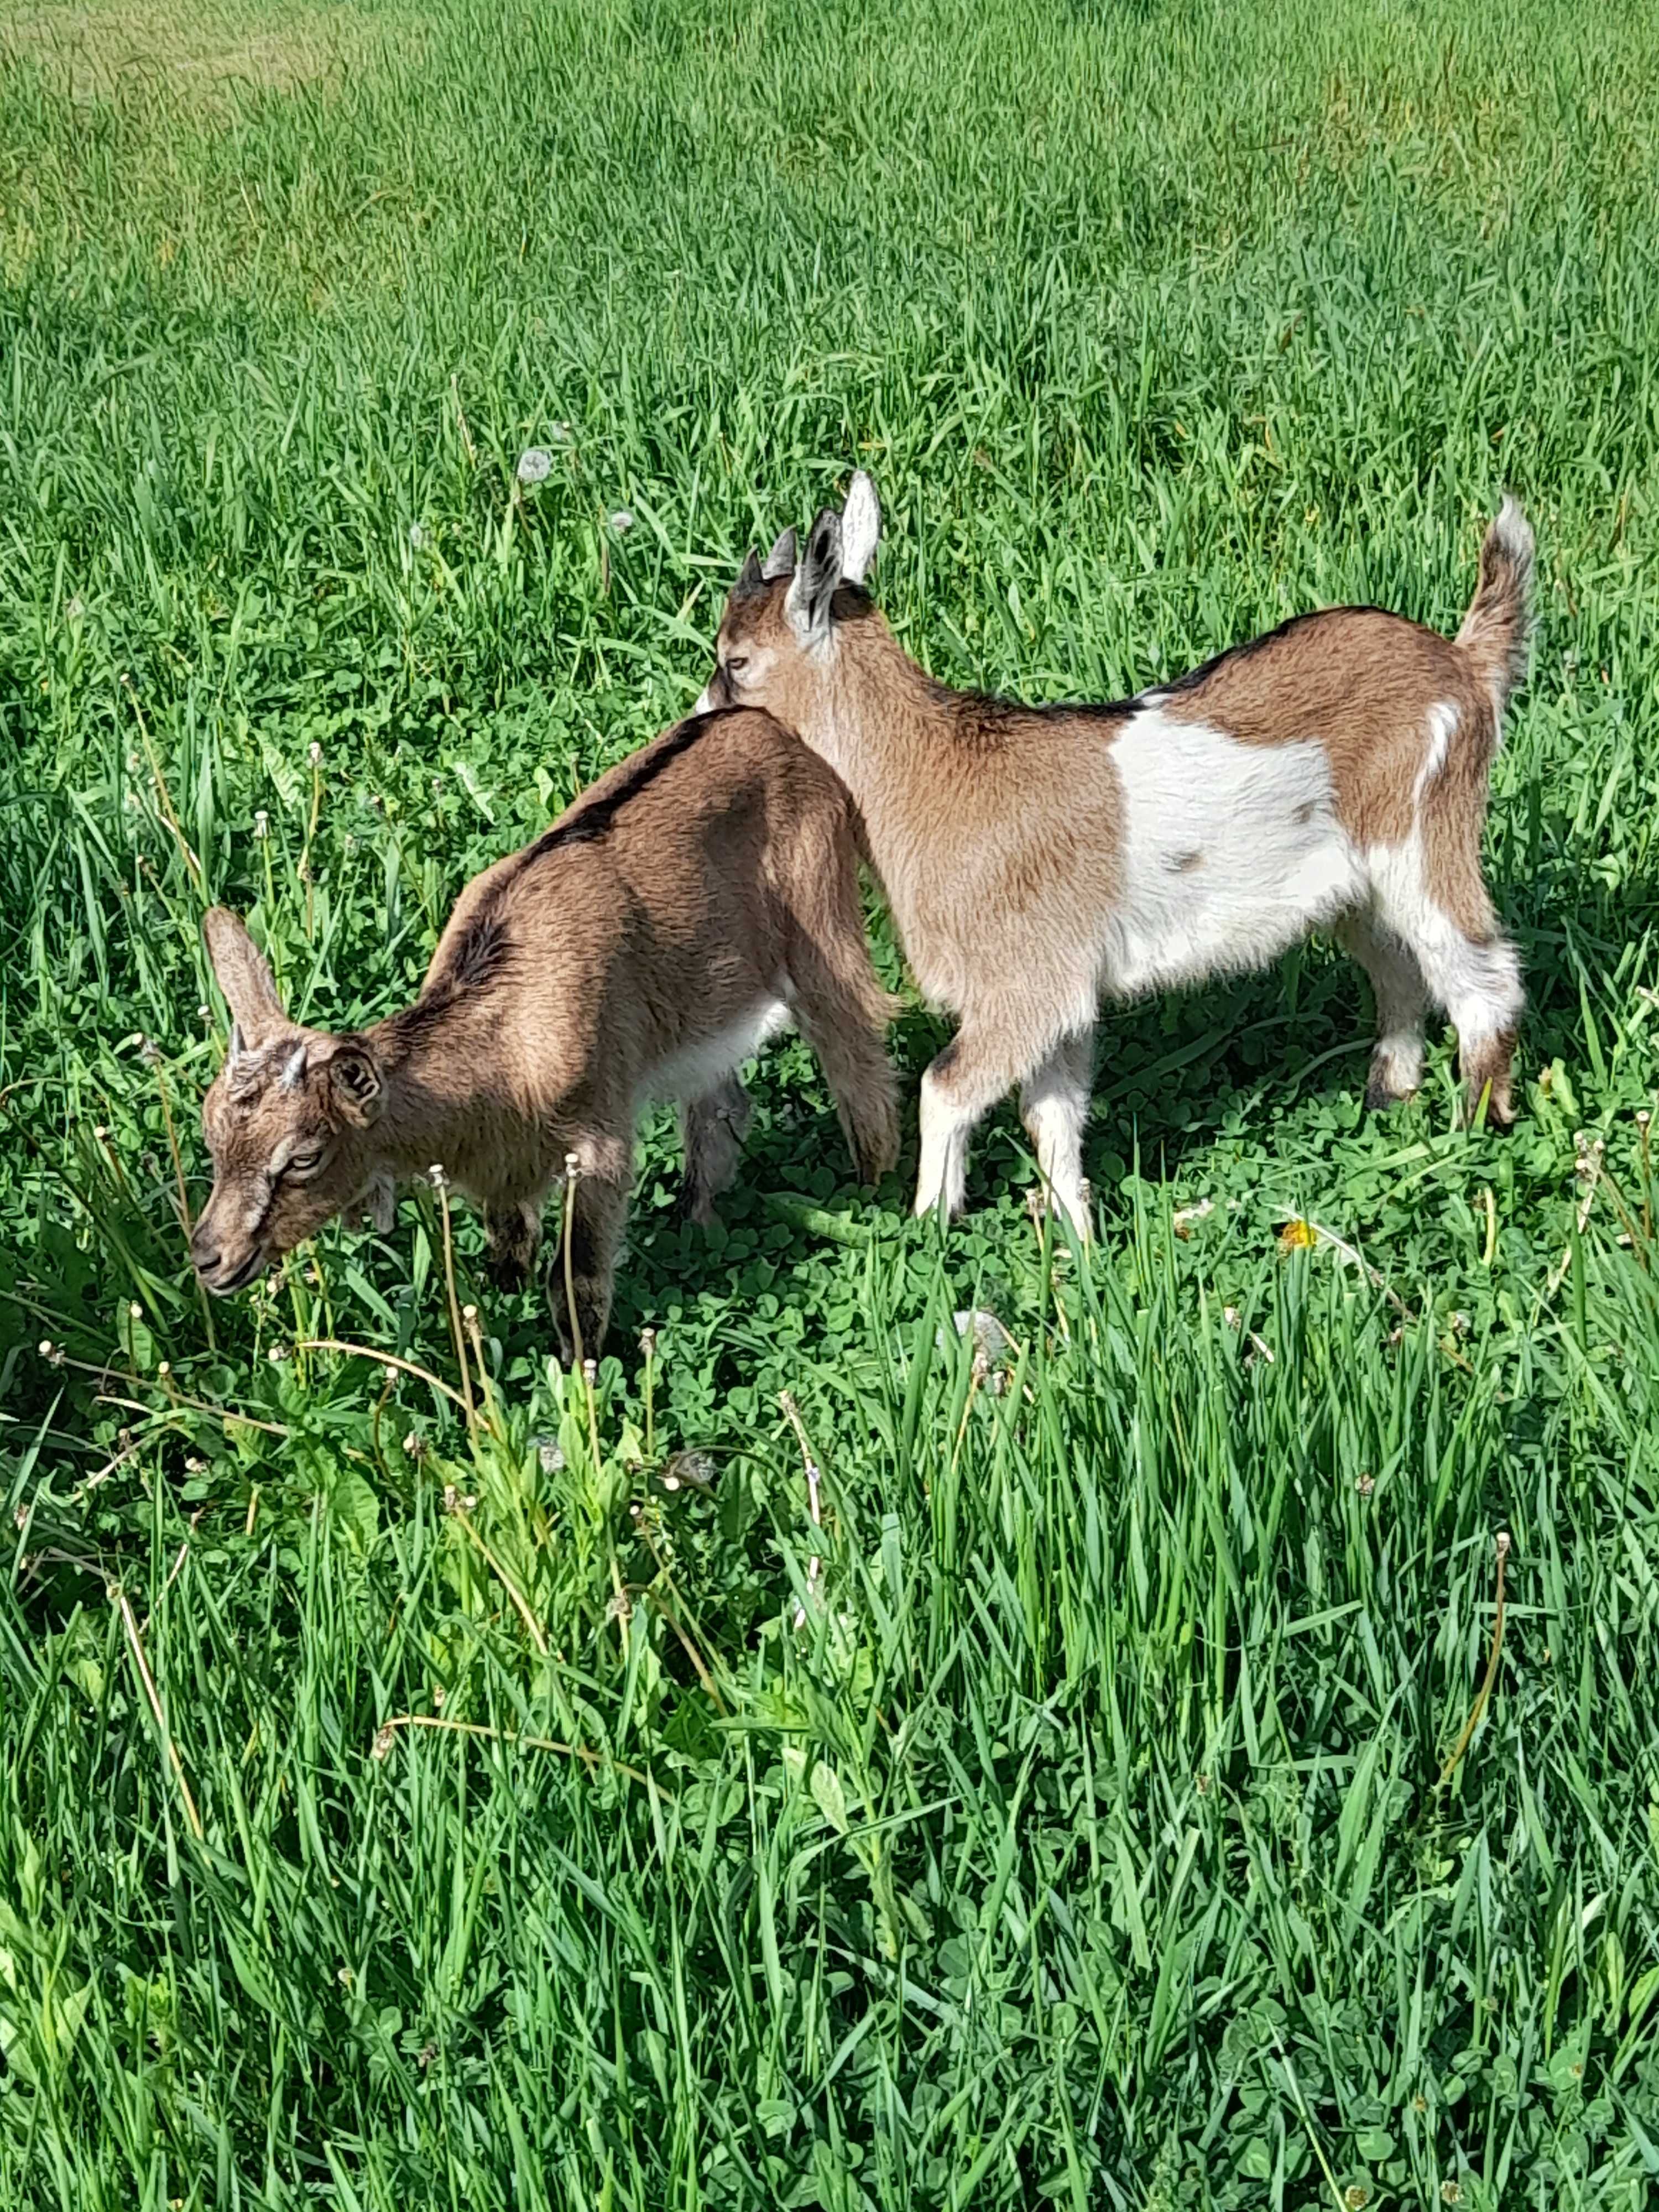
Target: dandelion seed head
[(417, 535), (262, 823), (622, 520), (134, 1311), (382, 1743), (314, 753), (535, 464)]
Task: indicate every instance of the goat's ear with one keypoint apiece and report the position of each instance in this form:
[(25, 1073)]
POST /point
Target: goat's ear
[(749, 577), (780, 560), (806, 604), (244, 977), (356, 1086), (860, 528)]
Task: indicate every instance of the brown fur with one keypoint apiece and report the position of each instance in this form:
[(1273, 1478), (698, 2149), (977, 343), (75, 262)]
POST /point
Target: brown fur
[(999, 830), (626, 953)]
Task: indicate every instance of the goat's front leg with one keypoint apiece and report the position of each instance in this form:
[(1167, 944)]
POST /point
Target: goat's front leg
[(513, 1232), (596, 1214), (712, 1128)]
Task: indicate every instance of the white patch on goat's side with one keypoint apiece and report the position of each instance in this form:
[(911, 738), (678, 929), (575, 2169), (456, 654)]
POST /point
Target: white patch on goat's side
[(694, 1071), (1232, 853)]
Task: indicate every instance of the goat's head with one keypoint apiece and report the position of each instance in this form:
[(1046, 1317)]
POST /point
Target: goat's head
[(286, 1121), (779, 639)]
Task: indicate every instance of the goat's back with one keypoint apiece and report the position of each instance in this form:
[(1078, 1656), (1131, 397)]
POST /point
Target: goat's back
[(660, 908)]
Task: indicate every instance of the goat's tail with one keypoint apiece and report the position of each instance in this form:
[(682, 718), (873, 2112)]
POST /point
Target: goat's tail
[(1497, 632)]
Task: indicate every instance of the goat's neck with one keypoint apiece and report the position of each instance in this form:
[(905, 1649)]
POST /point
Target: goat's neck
[(431, 1089), (885, 726)]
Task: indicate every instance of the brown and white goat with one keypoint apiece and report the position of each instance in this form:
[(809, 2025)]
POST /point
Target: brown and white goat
[(1331, 774), (699, 898)]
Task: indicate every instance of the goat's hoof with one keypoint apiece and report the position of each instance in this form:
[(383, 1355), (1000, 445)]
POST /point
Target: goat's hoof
[(1381, 1095)]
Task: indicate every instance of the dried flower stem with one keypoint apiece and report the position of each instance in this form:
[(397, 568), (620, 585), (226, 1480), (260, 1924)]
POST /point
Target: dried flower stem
[(522, 1604), (792, 1414), (592, 1760), (572, 1174), (686, 1643), (460, 418), (649, 1347), (386, 1360), (455, 1307), (1473, 1721), (164, 798), (131, 1625), (310, 834)]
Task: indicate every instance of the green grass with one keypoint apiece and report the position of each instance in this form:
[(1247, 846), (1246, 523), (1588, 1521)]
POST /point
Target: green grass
[(1086, 1843)]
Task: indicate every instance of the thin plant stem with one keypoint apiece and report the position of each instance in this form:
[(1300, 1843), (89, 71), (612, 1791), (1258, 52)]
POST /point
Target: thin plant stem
[(441, 1183), (125, 1606), (1480, 1707), (386, 1360), (592, 1760)]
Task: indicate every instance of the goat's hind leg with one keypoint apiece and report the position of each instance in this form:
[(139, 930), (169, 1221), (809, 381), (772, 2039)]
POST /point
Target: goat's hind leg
[(959, 1087), (514, 1233), (1397, 986), (712, 1130), (1054, 1104), (842, 1012)]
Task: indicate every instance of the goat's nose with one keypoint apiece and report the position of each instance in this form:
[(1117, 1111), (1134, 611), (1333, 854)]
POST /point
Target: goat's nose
[(204, 1248)]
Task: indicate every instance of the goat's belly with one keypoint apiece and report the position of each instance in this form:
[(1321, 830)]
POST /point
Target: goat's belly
[(1233, 853), (705, 1062)]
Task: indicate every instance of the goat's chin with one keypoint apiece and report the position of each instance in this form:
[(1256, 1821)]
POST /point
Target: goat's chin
[(223, 1284)]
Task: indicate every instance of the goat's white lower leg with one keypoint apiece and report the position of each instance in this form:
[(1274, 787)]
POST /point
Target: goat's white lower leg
[(1480, 985), (1397, 984), (1054, 1104), (942, 1173)]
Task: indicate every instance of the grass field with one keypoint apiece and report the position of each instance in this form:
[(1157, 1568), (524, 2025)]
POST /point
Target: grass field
[(1058, 1799)]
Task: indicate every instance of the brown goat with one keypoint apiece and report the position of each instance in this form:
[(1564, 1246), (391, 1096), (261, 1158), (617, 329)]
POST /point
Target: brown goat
[(699, 898), (1037, 860)]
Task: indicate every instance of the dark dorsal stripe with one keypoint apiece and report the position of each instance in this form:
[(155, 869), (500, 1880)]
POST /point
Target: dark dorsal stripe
[(480, 954)]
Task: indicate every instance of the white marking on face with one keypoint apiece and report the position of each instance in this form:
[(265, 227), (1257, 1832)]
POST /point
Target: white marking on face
[(1233, 853)]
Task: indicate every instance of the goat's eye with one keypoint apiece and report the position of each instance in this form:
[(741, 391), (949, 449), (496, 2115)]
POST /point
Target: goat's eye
[(736, 664), (302, 1164)]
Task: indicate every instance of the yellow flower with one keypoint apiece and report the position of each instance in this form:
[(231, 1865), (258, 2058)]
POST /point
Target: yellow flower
[(1297, 1236)]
